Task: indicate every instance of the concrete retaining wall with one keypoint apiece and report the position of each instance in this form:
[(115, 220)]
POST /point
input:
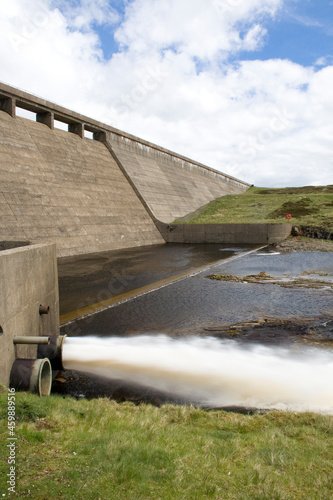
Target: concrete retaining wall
[(266, 234), (29, 278)]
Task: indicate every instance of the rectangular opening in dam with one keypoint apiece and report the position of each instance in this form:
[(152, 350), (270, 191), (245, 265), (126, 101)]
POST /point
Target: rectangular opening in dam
[(25, 113), (88, 135), (61, 125)]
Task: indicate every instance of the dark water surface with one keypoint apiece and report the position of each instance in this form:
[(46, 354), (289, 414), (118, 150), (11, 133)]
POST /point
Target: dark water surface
[(198, 302), (89, 279)]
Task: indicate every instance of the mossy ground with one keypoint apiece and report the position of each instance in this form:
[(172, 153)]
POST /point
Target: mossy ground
[(69, 449), (309, 206)]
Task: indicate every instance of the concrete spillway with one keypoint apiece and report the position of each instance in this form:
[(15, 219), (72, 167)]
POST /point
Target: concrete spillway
[(91, 195)]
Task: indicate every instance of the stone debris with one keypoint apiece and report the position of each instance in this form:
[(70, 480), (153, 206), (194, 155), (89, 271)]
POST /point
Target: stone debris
[(301, 244), (284, 331), (265, 278)]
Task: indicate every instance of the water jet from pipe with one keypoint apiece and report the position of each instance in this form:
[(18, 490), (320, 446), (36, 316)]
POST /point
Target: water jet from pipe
[(211, 371)]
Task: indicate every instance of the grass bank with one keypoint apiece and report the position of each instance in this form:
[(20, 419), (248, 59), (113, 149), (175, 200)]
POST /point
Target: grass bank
[(69, 449), (308, 206)]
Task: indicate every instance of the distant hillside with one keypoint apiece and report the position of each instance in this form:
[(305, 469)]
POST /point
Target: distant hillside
[(310, 206)]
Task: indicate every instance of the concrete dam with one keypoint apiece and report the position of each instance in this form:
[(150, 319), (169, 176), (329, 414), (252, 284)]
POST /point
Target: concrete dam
[(106, 192), (72, 186)]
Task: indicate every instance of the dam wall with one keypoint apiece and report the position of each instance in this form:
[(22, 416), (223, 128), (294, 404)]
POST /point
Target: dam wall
[(171, 185), (56, 186), (91, 194)]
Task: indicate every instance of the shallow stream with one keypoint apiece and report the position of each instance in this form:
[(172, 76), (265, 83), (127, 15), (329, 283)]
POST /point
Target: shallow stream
[(242, 313)]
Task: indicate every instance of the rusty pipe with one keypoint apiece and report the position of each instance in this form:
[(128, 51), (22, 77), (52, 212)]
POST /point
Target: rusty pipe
[(53, 351), (33, 375), (31, 340), (44, 309)]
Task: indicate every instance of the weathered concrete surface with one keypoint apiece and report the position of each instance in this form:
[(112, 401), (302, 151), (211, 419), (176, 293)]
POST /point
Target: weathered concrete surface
[(171, 185), (58, 187), (28, 279), (91, 195), (267, 234)]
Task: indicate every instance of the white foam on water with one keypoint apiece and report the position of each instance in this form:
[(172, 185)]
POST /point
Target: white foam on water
[(211, 371)]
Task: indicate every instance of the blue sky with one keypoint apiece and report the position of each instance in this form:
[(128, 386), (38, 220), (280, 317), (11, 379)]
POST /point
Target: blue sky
[(302, 32), (244, 86)]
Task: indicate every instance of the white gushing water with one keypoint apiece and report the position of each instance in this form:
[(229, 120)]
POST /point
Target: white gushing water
[(211, 371)]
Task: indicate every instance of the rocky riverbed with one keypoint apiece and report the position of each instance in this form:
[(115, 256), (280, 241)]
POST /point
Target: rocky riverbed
[(302, 244), (265, 278)]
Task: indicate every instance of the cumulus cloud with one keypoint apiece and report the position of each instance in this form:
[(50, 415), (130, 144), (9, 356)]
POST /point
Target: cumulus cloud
[(176, 80), (83, 14), (201, 29)]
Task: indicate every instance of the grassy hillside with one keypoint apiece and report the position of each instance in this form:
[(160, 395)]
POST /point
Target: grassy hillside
[(69, 449), (309, 206)]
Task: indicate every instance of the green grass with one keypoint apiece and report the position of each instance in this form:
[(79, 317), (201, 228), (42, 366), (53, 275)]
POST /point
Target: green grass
[(309, 206), (68, 449)]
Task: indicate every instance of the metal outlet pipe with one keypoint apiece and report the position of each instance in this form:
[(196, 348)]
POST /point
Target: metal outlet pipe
[(34, 375), (44, 309), (31, 340), (53, 351)]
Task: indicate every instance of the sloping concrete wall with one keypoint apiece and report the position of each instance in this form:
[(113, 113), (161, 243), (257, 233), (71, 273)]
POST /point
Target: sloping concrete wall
[(56, 186), (29, 278), (172, 186), (91, 195)]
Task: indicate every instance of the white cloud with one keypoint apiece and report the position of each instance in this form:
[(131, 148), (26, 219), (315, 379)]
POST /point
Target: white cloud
[(172, 82), (324, 61), (82, 14), (199, 28)]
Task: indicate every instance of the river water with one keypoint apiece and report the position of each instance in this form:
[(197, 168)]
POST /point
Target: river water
[(197, 302), (162, 339)]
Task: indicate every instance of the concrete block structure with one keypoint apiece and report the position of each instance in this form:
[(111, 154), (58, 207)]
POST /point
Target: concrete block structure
[(91, 195), (252, 234), (29, 279)]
